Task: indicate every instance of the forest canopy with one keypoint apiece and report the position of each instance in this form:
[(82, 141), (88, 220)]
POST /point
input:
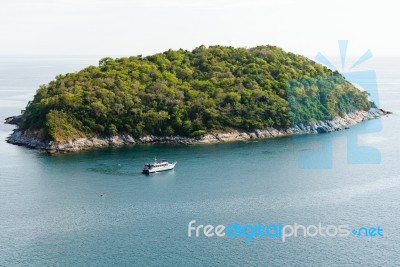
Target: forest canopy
[(189, 93)]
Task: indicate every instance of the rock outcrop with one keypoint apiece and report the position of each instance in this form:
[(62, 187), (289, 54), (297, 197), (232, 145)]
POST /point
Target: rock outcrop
[(15, 120), (33, 140)]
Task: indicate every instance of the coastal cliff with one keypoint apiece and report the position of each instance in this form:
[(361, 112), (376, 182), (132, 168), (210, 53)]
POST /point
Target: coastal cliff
[(34, 139)]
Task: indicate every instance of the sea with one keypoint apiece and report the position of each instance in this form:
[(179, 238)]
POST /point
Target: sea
[(96, 208)]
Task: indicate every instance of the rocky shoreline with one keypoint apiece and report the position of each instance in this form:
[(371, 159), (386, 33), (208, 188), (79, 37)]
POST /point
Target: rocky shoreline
[(338, 123)]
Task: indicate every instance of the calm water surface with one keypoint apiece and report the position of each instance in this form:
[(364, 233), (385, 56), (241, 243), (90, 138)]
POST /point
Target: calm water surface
[(52, 212)]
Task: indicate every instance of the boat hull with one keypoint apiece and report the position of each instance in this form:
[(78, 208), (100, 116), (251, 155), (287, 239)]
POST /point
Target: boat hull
[(159, 169)]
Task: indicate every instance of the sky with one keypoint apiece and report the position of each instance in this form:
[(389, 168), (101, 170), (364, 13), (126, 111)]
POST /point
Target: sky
[(133, 27)]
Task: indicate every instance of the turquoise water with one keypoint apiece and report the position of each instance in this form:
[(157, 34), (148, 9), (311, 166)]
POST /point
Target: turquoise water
[(52, 212)]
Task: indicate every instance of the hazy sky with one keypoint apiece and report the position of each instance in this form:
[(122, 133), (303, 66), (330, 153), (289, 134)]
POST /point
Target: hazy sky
[(131, 27)]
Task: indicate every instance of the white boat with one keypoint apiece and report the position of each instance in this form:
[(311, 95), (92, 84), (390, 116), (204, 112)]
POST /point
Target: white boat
[(158, 166)]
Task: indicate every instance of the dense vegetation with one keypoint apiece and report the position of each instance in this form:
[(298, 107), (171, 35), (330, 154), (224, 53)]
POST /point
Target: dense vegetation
[(191, 92)]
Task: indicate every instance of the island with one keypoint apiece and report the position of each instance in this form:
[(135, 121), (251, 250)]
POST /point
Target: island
[(210, 94)]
